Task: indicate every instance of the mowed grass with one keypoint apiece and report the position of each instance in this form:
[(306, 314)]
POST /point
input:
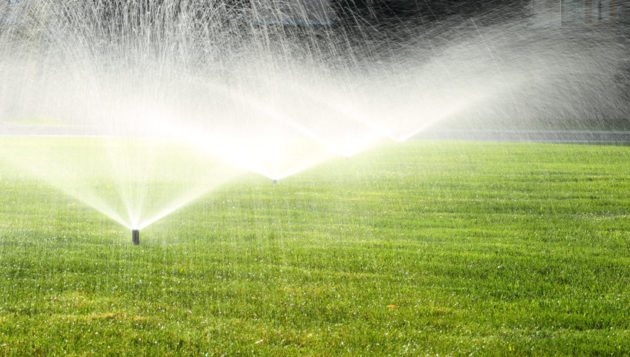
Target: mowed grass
[(419, 248)]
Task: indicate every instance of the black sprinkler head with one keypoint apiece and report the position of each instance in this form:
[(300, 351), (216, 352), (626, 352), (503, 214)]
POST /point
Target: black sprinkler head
[(275, 182), (135, 237)]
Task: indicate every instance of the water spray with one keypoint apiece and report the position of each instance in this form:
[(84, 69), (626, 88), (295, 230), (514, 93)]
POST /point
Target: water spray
[(274, 107)]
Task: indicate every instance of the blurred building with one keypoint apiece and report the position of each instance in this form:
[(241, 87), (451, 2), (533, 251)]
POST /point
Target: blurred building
[(556, 13)]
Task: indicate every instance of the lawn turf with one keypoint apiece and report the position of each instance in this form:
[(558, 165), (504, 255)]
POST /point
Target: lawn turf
[(408, 249)]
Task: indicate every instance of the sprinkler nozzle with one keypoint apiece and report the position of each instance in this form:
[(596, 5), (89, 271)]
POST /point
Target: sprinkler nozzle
[(135, 237), (275, 182)]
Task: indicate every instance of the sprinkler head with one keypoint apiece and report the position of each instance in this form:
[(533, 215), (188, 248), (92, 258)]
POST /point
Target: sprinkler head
[(135, 237), (275, 182)]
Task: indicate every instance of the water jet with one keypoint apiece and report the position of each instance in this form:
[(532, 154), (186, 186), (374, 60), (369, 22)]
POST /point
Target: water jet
[(169, 105)]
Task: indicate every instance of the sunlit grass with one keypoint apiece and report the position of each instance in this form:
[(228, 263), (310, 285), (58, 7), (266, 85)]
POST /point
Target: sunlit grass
[(415, 248)]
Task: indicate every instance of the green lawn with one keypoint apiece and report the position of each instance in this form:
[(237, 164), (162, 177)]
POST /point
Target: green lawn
[(410, 249)]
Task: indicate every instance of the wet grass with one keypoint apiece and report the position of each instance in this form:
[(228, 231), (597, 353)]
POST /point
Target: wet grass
[(411, 249)]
